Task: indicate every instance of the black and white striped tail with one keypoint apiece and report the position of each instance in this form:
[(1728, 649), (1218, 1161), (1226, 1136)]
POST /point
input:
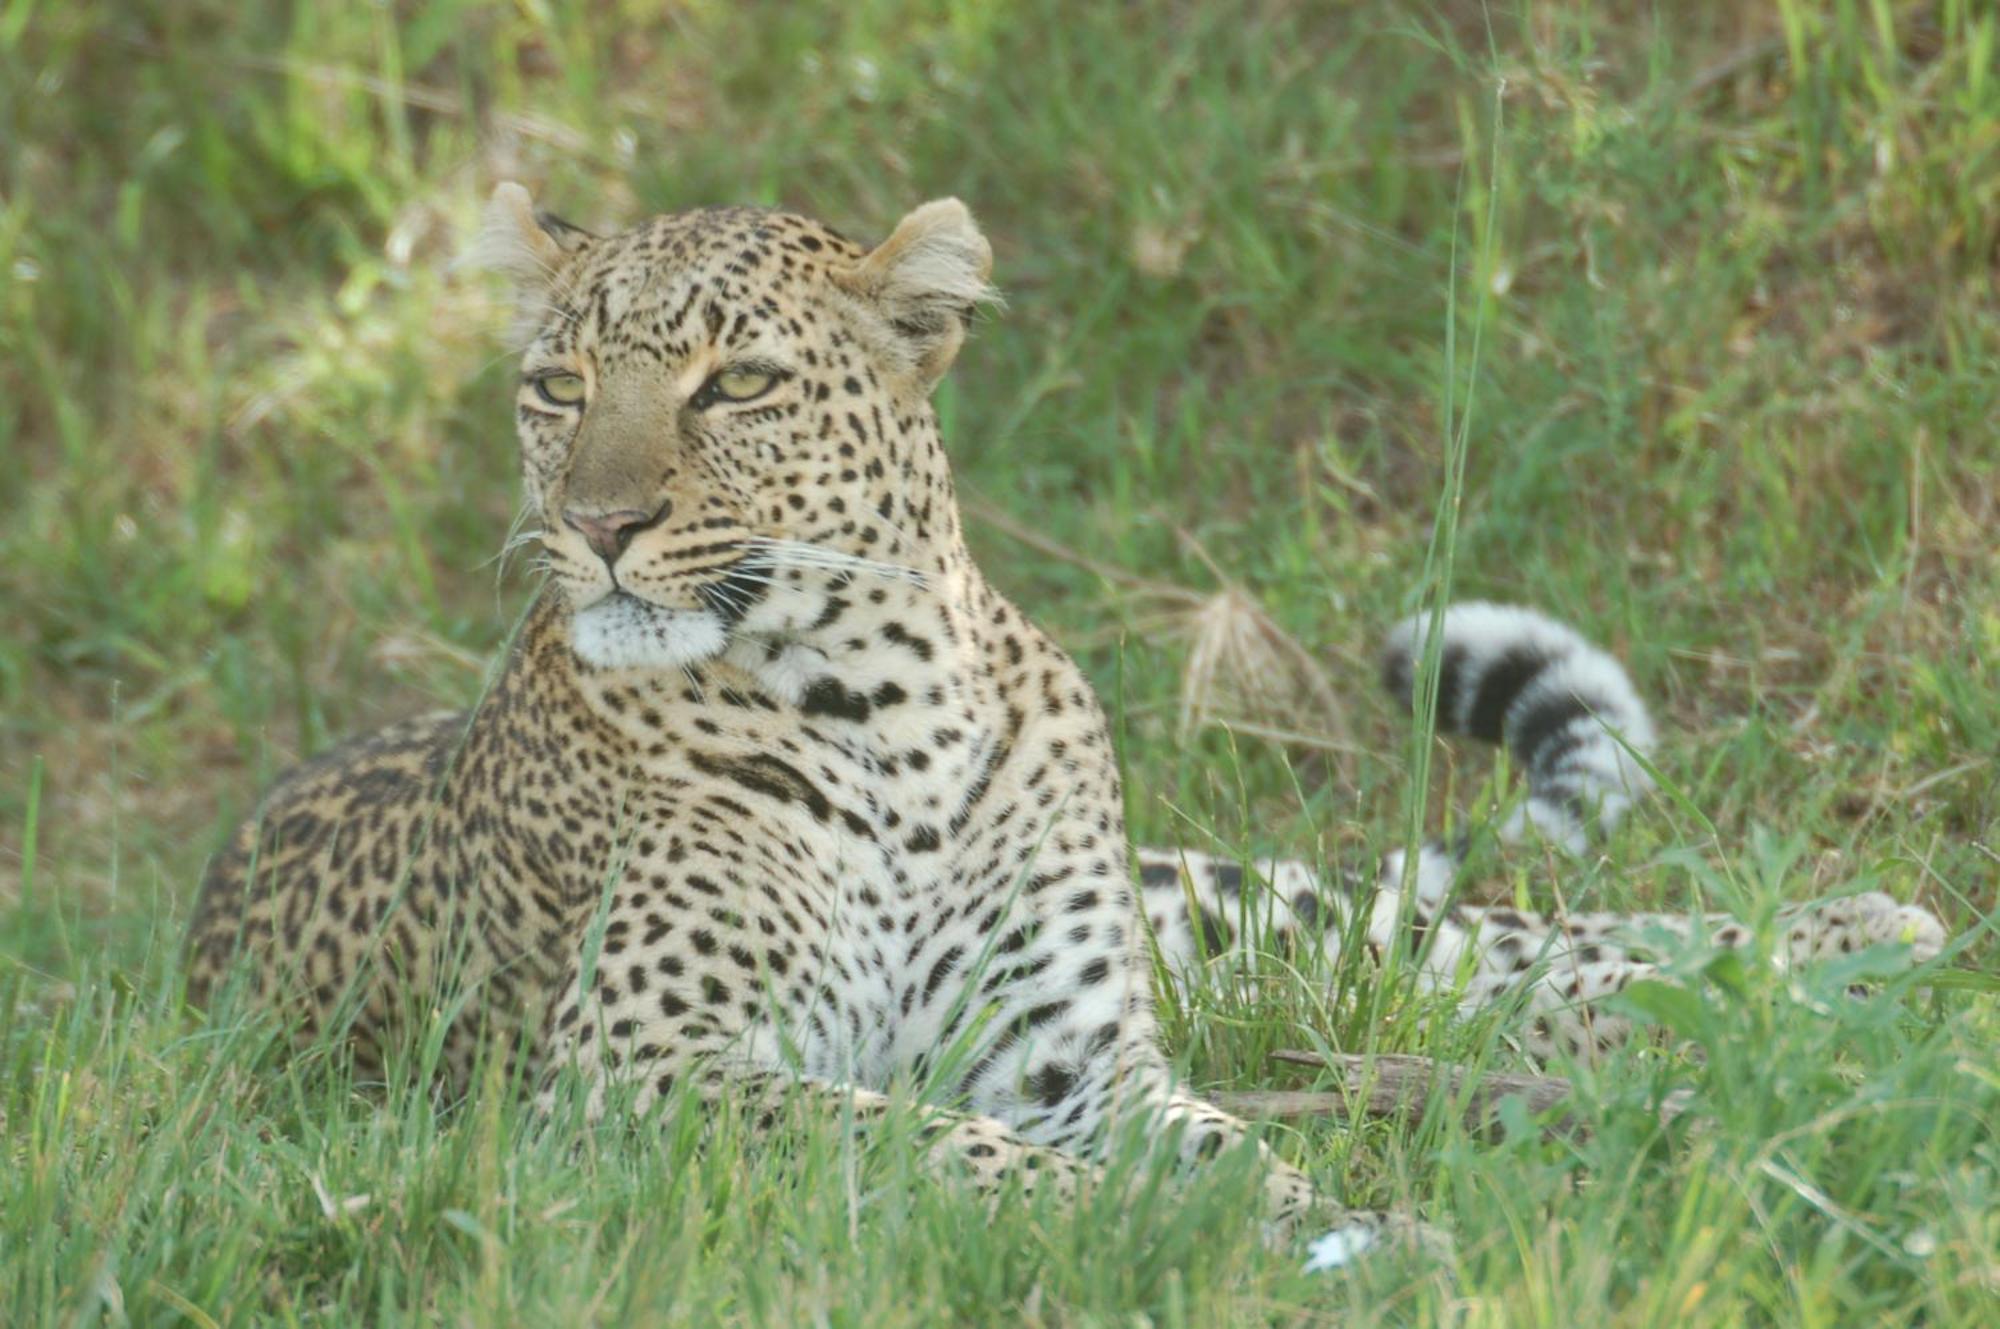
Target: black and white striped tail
[(1566, 710), (1568, 714)]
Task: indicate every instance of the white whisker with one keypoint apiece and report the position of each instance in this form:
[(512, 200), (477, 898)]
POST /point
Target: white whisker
[(797, 553), (513, 542)]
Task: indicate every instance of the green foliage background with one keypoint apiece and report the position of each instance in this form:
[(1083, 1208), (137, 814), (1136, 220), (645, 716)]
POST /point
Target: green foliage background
[(1730, 270)]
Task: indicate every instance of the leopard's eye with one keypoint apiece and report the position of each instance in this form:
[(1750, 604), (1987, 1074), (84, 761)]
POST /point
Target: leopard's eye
[(743, 384), (736, 385), (560, 389)]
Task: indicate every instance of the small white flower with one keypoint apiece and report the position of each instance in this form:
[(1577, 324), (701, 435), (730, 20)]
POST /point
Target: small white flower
[(866, 78), (1339, 1247)]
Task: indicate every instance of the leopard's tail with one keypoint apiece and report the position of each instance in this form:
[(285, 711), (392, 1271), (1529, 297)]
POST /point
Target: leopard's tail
[(1566, 710)]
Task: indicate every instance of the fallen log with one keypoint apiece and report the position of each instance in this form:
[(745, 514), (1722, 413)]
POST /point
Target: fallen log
[(1395, 1086)]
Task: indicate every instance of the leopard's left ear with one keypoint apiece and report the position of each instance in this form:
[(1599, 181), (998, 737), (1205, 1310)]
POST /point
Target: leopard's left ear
[(923, 282)]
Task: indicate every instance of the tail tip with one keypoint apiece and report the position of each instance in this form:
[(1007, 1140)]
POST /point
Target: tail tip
[(1565, 708)]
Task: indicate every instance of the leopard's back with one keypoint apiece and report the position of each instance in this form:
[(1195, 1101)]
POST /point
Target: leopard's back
[(333, 890)]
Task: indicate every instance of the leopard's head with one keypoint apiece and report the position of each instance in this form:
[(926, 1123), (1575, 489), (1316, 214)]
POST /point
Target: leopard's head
[(725, 418)]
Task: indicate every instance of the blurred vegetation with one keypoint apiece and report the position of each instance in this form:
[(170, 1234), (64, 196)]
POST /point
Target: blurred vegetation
[(1732, 272)]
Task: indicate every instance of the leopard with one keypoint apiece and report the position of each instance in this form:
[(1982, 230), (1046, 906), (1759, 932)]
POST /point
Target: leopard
[(773, 801)]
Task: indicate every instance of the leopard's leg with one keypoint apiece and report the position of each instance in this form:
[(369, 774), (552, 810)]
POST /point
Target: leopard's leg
[(1293, 1205), (631, 1056), (1072, 1087), (1559, 967), (1203, 908), (985, 1151), (637, 1032), (995, 1158), (614, 1041)]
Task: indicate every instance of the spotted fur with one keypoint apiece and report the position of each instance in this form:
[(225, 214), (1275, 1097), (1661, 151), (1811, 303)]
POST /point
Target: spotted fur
[(775, 797)]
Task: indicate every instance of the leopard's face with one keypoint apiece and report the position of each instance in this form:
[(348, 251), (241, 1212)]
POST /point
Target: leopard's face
[(724, 417)]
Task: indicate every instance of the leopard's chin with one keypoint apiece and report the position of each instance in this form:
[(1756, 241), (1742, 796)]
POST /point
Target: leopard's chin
[(622, 631)]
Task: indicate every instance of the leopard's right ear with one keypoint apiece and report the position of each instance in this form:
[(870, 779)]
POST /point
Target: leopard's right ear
[(529, 246)]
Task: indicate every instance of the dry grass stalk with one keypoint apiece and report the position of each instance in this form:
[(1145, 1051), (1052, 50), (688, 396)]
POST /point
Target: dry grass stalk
[(1243, 671)]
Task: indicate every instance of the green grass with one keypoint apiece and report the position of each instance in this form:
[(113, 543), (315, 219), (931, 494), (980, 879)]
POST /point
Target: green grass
[(1730, 271)]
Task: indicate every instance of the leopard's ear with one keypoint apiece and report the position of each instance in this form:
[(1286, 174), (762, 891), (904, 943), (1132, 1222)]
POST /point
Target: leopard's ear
[(530, 247), (923, 283)]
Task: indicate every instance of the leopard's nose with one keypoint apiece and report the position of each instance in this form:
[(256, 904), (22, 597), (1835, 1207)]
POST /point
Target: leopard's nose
[(608, 533)]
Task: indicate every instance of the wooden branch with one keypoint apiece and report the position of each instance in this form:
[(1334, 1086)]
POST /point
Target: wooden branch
[(981, 511), (1392, 1086)]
